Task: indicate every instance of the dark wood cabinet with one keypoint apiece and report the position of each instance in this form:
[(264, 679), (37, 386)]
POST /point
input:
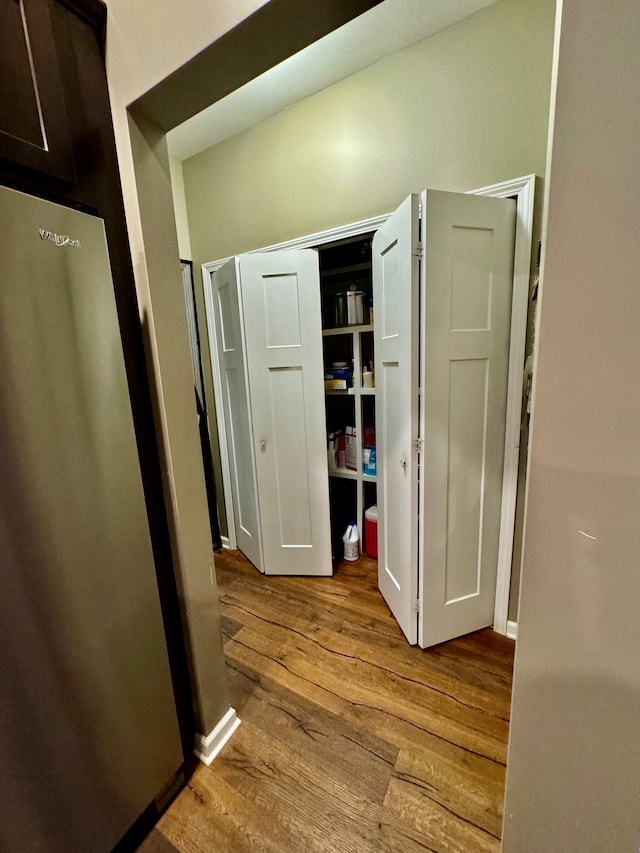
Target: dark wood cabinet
[(34, 129)]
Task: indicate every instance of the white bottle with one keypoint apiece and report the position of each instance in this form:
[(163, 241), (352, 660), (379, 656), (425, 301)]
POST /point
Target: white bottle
[(351, 542), (331, 453)]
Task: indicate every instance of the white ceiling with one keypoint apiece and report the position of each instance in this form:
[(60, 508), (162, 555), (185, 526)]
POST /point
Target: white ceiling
[(385, 29)]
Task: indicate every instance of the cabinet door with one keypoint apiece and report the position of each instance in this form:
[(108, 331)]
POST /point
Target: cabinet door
[(282, 324), (468, 277), (33, 122), (395, 294), (237, 410)]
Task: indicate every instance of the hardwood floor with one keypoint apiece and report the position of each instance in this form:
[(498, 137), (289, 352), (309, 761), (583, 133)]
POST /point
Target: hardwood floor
[(351, 740)]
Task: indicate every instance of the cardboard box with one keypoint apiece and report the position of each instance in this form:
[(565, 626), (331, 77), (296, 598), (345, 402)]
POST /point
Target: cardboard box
[(335, 384), (351, 448)]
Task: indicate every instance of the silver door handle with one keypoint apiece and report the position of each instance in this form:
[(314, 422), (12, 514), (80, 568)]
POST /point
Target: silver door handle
[(263, 443), (403, 464)]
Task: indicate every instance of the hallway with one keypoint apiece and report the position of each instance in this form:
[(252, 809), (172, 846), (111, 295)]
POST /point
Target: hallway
[(351, 740)]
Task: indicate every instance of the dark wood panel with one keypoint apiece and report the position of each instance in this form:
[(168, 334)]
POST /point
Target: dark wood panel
[(351, 739), (34, 132), (19, 100)]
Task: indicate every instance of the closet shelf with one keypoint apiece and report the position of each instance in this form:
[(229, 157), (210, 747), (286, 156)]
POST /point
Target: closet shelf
[(347, 330), (340, 392), (344, 473), (351, 392), (344, 270)]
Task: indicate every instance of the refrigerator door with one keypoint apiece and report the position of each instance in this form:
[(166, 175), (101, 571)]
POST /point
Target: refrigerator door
[(88, 728)]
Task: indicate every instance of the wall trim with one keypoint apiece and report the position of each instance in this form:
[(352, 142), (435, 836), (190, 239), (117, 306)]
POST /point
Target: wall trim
[(225, 543), (309, 241), (524, 190), (512, 630), (207, 747)]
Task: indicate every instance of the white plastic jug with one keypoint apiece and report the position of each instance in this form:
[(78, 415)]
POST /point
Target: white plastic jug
[(351, 541), (331, 453)]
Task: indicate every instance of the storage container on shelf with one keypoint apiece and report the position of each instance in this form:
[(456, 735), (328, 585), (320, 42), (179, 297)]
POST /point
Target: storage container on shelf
[(371, 531), (332, 453), (369, 462), (338, 377), (350, 307), (351, 443)]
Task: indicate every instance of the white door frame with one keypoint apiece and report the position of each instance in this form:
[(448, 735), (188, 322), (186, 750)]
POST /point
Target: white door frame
[(228, 541), (523, 191)]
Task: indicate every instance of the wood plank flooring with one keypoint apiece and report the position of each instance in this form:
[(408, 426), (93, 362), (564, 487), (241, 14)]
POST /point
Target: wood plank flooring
[(351, 740)]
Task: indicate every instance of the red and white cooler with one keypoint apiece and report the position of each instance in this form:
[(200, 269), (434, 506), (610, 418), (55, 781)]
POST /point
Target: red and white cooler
[(371, 531)]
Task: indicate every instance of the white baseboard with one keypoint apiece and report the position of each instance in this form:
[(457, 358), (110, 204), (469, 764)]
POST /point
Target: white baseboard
[(512, 630), (225, 542), (207, 747)]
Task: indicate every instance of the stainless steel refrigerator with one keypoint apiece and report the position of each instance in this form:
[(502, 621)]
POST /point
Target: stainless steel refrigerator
[(88, 728)]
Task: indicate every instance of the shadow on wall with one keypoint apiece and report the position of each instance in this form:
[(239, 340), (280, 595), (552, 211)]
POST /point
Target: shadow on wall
[(604, 706)]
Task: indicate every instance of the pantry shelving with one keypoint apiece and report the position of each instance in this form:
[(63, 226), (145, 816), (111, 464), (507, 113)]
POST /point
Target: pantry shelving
[(348, 270), (353, 406), (345, 473), (345, 330)]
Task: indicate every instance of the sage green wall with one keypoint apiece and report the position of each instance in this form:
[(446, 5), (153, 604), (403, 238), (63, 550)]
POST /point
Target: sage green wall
[(184, 247), (464, 108), (144, 45), (180, 208)]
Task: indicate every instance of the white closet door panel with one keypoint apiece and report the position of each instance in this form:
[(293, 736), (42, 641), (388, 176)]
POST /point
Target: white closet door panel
[(468, 281), (290, 453), (240, 442), (283, 332), (237, 409), (395, 289), (466, 451)]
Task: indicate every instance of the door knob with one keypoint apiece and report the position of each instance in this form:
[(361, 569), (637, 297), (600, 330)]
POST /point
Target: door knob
[(403, 464), (263, 443)]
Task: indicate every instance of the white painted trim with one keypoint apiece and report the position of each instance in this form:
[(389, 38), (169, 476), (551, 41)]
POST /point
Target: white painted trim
[(342, 232), (309, 241), (220, 419), (524, 190), (225, 542), (207, 747), (512, 630)]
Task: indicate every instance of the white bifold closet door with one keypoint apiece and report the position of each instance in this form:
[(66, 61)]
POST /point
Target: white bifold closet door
[(454, 272), (283, 439), (395, 293), (468, 276), (230, 347)]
